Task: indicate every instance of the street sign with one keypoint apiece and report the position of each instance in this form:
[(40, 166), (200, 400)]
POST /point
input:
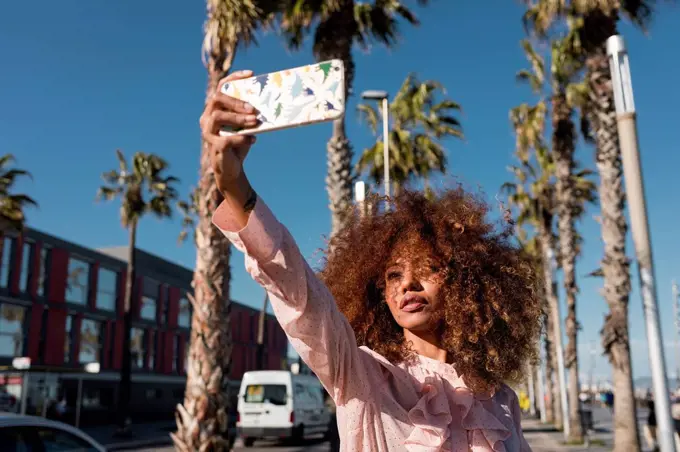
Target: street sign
[(21, 362)]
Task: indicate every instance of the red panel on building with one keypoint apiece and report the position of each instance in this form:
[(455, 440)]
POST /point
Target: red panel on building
[(14, 275), (56, 335), (35, 325), (173, 306), (120, 294), (58, 274), (92, 285), (118, 344), (35, 271)]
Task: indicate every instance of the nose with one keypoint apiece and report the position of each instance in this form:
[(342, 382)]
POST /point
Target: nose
[(410, 283)]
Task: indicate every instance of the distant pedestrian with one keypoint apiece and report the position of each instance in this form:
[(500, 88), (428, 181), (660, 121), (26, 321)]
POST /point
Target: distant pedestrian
[(609, 400), (420, 314), (650, 427)]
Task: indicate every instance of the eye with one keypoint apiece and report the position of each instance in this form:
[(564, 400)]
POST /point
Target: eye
[(393, 274)]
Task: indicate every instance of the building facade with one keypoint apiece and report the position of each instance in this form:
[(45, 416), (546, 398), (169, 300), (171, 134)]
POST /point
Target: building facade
[(61, 305)]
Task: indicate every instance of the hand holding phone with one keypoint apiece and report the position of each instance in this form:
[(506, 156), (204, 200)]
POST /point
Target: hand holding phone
[(290, 98)]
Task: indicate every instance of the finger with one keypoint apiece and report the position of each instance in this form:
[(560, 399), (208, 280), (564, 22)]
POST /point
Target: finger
[(219, 118), (245, 73), (225, 102)]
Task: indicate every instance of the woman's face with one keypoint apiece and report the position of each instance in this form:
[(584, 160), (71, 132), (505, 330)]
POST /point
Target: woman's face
[(412, 292)]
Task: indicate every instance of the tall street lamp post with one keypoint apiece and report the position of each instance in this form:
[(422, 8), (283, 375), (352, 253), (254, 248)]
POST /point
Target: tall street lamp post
[(626, 120)]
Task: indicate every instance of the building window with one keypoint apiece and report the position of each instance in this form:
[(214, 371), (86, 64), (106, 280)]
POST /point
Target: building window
[(76, 283), (12, 330), (27, 257), (68, 340), (184, 315), (149, 299), (107, 288), (6, 261), (90, 342), (150, 346), (45, 253), (137, 348)]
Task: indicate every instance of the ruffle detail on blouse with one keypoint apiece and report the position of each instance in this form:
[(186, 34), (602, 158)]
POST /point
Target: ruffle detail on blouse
[(448, 417)]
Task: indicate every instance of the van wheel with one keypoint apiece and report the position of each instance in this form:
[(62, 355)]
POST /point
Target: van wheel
[(248, 442), (299, 434)]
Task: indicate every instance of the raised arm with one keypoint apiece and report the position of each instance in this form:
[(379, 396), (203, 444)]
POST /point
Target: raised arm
[(303, 305)]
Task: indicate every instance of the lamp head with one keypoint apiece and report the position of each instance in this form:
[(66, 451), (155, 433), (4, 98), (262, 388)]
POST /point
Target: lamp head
[(372, 94), (620, 72)]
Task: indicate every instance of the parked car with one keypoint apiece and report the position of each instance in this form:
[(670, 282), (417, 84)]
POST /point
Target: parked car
[(280, 404), (33, 433)]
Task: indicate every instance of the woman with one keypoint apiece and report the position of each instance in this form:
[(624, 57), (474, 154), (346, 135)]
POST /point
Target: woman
[(424, 313)]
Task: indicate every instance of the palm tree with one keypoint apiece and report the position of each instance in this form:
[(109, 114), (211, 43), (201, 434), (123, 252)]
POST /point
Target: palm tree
[(565, 95), (419, 123), (339, 25), (12, 205), (142, 188), (202, 419), (600, 19), (533, 193)]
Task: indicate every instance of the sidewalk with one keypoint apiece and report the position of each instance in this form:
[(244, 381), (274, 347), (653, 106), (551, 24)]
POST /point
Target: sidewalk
[(545, 438), (142, 435)]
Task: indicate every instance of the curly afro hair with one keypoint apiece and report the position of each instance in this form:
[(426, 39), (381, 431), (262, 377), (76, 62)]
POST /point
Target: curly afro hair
[(491, 316)]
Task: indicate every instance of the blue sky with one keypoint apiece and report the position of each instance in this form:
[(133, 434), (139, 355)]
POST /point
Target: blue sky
[(81, 79)]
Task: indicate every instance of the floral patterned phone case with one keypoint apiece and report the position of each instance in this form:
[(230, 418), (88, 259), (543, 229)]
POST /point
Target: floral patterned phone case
[(293, 97)]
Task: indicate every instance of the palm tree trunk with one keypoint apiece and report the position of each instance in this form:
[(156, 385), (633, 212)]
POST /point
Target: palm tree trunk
[(547, 252), (549, 369), (202, 420), (339, 30), (615, 339), (261, 333), (563, 149), (126, 366)]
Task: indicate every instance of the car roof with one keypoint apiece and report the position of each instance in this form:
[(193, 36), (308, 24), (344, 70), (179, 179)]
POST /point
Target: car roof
[(21, 420)]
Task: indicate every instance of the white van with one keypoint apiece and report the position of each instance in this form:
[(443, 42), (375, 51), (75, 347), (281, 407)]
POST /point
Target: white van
[(280, 404)]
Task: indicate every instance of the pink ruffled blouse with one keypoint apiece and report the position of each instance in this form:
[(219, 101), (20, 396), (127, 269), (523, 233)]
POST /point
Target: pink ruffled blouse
[(419, 406)]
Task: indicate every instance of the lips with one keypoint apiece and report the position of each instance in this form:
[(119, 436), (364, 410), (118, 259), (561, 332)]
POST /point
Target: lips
[(411, 303)]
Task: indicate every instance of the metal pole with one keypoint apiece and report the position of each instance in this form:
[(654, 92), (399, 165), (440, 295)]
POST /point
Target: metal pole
[(386, 145), (643, 251), (625, 108), (559, 350), (79, 400), (24, 391)]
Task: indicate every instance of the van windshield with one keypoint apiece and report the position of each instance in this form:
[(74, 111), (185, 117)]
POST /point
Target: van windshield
[(274, 394)]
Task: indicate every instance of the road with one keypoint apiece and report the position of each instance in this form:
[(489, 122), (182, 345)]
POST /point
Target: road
[(263, 446)]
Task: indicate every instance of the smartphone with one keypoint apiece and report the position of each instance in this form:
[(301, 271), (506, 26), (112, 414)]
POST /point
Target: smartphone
[(292, 97)]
